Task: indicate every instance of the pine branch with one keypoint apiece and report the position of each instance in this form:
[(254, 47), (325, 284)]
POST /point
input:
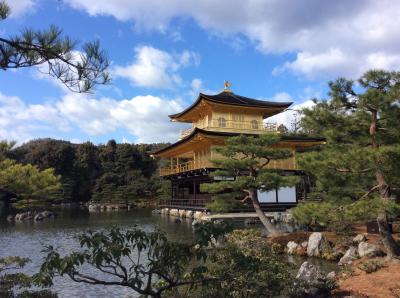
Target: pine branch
[(347, 170), (376, 187)]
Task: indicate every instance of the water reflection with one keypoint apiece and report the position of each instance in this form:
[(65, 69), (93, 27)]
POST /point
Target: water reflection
[(27, 239)]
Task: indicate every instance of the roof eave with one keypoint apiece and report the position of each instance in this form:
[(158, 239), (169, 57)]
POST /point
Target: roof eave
[(322, 140)]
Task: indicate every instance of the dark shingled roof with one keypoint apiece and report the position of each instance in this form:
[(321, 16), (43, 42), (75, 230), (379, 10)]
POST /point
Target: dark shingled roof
[(231, 98), (231, 134)]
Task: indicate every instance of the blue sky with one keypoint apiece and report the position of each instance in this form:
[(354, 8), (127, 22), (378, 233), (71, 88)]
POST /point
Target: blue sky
[(164, 53)]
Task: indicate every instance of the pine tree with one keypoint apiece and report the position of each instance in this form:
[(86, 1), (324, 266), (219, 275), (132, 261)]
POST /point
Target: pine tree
[(78, 71), (246, 158), (360, 161)]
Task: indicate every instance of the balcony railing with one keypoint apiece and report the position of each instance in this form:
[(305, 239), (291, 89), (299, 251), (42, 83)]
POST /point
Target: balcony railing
[(222, 124), (179, 168), (284, 164)]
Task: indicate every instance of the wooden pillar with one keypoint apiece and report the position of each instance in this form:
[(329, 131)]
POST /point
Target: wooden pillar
[(194, 192), (294, 159)]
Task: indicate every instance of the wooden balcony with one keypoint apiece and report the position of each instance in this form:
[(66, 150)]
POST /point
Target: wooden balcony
[(285, 164), (180, 168), (185, 167), (233, 126)]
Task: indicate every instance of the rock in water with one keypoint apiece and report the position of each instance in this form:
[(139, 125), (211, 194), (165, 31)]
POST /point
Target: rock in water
[(10, 218), (369, 250), (308, 273), (39, 217), (350, 255), (291, 247), (48, 214), (177, 220), (317, 243)]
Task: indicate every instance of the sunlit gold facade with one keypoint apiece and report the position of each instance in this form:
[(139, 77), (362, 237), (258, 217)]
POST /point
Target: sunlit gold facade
[(213, 119)]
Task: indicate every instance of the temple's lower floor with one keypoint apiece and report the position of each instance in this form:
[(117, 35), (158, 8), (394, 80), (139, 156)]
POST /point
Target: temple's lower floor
[(186, 193)]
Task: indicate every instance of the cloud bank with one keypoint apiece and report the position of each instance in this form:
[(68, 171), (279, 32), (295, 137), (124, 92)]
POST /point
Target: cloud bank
[(155, 68), (145, 117), (327, 37)]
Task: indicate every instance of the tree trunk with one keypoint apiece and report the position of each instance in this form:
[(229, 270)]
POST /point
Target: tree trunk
[(391, 247), (261, 215)]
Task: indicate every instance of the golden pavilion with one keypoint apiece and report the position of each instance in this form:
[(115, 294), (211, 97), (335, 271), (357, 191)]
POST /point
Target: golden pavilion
[(214, 118)]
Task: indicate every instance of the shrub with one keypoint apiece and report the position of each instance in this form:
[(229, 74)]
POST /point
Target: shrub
[(371, 266)]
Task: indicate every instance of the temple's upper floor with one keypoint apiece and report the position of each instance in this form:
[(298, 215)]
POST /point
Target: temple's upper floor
[(227, 111)]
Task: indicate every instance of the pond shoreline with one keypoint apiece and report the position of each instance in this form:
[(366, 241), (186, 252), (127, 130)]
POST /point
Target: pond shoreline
[(27, 239)]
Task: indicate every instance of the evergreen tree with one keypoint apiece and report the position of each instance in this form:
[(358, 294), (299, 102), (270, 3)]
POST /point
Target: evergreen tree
[(246, 158), (282, 129), (78, 71), (360, 162), (59, 155), (28, 182), (87, 168), (6, 147)]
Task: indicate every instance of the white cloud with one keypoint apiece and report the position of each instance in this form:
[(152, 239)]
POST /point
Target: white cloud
[(20, 7), (197, 84), (145, 117), (20, 121), (286, 118), (328, 37), (281, 96), (156, 68)]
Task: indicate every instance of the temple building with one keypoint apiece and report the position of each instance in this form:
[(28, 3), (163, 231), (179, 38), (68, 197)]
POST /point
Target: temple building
[(214, 118)]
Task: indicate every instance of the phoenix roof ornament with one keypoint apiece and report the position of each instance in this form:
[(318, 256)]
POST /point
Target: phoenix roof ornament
[(227, 85)]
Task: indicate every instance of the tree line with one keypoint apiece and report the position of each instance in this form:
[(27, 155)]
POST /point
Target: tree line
[(81, 172)]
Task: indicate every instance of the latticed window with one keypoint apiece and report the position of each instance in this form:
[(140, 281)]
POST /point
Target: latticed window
[(221, 122), (254, 124)]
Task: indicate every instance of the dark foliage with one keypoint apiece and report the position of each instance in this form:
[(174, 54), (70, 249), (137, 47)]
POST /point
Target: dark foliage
[(117, 172)]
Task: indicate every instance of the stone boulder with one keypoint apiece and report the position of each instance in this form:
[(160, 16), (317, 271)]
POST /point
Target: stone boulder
[(48, 214), (39, 217), (291, 247), (177, 220), (304, 244), (288, 218), (350, 255), (308, 273), (368, 250), (331, 275), (10, 218), (317, 243), (359, 238), (24, 216)]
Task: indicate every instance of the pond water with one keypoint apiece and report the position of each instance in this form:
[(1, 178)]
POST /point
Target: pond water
[(27, 239)]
